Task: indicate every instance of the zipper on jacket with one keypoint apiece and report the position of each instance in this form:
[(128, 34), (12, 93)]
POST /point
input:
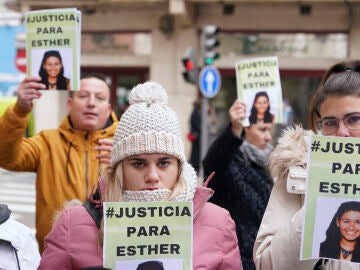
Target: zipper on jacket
[(17, 258), (86, 164), (67, 163)]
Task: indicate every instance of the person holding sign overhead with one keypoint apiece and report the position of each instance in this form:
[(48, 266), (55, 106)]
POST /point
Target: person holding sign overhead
[(52, 72), (334, 111), (242, 181), (67, 159), (148, 164)]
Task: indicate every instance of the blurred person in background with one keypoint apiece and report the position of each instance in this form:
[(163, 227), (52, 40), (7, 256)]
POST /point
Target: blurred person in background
[(242, 182), (194, 136)]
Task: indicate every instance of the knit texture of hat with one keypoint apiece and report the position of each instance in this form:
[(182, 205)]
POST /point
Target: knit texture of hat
[(148, 126)]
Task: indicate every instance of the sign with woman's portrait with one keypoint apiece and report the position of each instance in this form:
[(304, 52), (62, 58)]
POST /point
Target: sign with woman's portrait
[(331, 224), (53, 47), (258, 85)]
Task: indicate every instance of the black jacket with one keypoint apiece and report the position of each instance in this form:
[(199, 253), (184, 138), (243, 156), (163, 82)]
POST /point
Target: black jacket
[(242, 187)]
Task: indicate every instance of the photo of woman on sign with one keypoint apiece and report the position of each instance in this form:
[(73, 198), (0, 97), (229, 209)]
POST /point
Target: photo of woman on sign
[(52, 71), (342, 235), (260, 111), (151, 265)]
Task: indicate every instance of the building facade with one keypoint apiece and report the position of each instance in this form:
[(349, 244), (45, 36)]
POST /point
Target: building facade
[(137, 40)]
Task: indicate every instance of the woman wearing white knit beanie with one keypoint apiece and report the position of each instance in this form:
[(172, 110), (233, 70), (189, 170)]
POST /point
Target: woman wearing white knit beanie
[(147, 164)]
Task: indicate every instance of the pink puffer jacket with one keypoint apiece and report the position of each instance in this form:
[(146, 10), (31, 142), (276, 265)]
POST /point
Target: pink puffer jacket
[(72, 242)]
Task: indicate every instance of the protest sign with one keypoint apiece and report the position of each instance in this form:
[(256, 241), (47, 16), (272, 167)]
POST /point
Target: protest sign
[(333, 189), (53, 43), (157, 232), (258, 85)]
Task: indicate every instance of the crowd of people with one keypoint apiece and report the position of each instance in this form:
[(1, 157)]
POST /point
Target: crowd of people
[(245, 216)]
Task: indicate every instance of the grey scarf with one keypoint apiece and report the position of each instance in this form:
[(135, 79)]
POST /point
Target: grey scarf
[(256, 155), (190, 178)]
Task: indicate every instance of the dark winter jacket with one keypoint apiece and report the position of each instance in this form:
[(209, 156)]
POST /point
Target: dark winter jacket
[(242, 187)]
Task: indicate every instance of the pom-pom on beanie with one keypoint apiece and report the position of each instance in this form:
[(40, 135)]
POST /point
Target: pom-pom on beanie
[(148, 126)]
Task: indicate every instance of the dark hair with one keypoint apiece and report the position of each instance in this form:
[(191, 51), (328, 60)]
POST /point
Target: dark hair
[(330, 248), (61, 83), (150, 265), (268, 118), (100, 76), (97, 75), (342, 79)]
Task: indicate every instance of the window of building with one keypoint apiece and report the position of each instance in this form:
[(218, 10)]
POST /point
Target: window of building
[(136, 44), (306, 45)]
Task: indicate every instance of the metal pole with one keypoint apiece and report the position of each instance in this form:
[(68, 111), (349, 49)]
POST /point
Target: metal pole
[(204, 133)]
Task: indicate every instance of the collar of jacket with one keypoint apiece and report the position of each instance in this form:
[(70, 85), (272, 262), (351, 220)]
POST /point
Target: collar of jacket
[(291, 150), (202, 195), (68, 132), (4, 213)]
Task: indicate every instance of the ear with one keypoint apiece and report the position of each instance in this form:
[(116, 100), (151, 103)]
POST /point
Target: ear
[(109, 109), (69, 104), (337, 222)]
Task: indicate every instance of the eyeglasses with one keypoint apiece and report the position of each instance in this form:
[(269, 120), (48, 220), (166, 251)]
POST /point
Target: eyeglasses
[(329, 125)]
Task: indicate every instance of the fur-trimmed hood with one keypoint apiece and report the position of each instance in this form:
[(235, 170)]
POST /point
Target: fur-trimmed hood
[(291, 150)]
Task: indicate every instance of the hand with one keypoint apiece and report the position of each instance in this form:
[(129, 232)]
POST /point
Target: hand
[(237, 113), (28, 91), (105, 147)]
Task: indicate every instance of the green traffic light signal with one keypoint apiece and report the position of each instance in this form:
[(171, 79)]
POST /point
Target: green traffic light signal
[(209, 42), (209, 59)]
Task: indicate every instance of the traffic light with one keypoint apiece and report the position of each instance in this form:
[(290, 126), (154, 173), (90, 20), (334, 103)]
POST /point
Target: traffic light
[(190, 64), (209, 42)]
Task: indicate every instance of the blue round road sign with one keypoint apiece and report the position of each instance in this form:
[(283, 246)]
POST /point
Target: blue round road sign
[(209, 81)]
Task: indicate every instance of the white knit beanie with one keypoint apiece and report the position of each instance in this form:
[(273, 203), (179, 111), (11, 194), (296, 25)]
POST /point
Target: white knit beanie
[(148, 126)]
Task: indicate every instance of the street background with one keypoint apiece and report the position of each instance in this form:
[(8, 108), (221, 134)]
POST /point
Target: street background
[(17, 190), (135, 41)]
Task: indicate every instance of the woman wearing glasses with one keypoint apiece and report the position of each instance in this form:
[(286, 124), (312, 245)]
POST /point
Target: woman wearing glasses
[(334, 111)]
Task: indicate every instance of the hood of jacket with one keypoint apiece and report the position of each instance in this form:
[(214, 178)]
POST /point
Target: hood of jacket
[(291, 150), (4, 213), (70, 134)]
